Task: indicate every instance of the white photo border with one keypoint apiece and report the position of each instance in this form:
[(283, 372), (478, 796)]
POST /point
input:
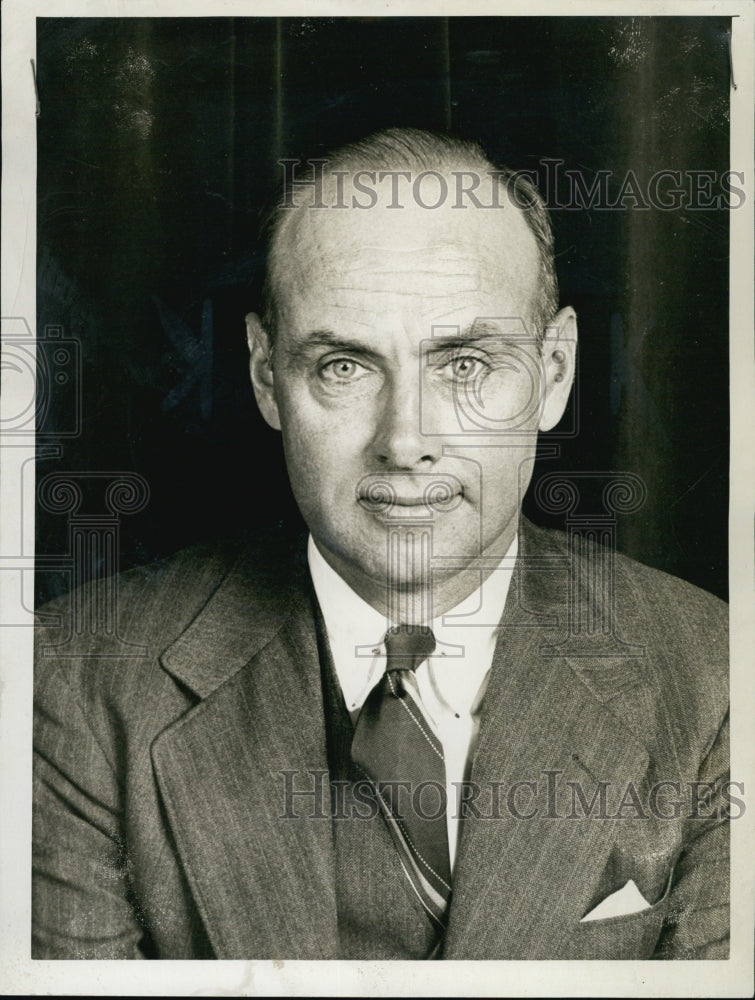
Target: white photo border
[(18, 973)]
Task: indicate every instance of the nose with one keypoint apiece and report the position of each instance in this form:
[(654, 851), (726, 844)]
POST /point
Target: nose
[(399, 441)]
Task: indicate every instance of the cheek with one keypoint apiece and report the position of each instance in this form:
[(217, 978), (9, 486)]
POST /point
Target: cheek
[(319, 460), (307, 459), (504, 475), (504, 403), (318, 434)]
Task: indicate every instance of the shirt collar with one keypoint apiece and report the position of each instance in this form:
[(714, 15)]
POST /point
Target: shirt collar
[(465, 636)]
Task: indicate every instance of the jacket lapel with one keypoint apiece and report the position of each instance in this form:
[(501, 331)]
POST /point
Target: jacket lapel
[(259, 859), (261, 862), (523, 880)]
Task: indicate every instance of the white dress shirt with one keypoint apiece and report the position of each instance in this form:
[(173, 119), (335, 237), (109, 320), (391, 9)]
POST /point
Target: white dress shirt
[(451, 682)]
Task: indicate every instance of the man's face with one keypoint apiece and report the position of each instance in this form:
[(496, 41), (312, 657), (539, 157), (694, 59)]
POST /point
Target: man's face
[(401, 359)]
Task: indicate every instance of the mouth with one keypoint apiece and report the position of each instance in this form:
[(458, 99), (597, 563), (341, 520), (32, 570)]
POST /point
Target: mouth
[(408, 509), (409, 502), (441, 493)]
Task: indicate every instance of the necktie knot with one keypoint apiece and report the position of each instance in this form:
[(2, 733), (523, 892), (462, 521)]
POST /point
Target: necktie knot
[(406, 646)]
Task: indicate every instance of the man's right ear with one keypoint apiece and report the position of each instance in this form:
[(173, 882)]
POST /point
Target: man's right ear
[(261, 370)]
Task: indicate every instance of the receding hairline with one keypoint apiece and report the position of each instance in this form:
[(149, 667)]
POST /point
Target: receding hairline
[(418, 151)]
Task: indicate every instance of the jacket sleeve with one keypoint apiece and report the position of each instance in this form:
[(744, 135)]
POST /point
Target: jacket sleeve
[(697, 921), (80, 894)]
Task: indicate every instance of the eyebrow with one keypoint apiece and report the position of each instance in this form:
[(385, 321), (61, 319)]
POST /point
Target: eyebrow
[(479, 331), (326, 338)]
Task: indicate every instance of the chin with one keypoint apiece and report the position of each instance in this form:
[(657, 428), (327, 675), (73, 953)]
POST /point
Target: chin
[(375, 569)]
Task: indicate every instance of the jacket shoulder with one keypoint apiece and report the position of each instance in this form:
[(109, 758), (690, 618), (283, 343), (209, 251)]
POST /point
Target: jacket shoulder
[(669, 640), (154, 599), (640, 592), (105, 642)]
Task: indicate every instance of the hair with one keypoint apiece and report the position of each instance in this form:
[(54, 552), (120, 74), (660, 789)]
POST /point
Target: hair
[(418, 150)]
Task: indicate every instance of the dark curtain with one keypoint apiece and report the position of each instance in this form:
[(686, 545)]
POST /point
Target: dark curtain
[(158, 142)]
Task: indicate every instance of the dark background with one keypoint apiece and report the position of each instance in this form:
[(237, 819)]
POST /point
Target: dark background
[(158, 142)]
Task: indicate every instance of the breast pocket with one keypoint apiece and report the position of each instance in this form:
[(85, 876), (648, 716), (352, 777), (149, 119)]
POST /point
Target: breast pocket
[(629, 936)]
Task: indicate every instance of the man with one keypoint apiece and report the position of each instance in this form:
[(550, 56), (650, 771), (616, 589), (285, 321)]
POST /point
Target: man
[(404, 737)]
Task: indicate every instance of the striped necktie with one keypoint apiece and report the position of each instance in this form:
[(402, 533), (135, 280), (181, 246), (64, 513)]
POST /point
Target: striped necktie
[(398, 751)]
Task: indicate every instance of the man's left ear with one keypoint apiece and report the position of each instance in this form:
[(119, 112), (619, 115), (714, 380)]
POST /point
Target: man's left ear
[(559, 362)]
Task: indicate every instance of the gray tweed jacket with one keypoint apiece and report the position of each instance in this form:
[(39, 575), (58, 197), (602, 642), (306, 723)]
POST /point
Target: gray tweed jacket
[(159, 789)]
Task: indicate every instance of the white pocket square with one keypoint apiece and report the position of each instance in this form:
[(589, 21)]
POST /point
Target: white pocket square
[(626, 900)]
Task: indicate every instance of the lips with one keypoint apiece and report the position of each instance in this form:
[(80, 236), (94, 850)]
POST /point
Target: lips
[(432, 492), (411, 502)]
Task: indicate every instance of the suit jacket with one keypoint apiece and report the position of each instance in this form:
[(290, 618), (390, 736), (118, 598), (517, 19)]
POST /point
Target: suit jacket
[(159, 825)]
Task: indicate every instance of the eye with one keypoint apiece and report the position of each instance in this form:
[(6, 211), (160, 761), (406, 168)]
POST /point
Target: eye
[(465, 367), (341, 370)]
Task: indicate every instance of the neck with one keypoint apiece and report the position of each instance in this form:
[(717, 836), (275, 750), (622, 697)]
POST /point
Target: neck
[(406, 601)]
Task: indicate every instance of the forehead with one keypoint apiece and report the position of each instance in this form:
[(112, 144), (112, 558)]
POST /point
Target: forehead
[(431, 260)]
